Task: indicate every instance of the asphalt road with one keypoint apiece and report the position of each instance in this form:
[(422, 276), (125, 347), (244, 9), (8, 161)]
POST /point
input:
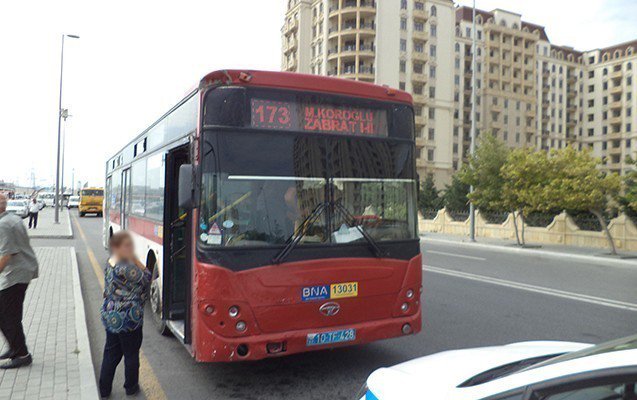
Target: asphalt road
[(472, 297)]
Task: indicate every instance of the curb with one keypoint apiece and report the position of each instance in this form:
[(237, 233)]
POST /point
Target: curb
[(542, 253), (88, 385)]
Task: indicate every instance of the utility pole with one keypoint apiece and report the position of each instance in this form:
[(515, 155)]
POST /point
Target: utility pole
[(57, 167), (65, 116), (474, 48)]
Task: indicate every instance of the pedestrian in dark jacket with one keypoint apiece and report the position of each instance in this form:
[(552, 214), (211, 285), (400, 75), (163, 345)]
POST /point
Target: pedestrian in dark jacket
[(126, 281)]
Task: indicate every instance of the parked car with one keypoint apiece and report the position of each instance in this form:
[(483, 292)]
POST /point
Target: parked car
[(74, 202), (18, 207), (519, 371)]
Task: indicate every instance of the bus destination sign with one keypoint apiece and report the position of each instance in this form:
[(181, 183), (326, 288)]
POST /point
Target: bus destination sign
[(318, 118)]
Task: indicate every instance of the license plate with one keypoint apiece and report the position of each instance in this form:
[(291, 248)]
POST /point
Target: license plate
[(317, 339)]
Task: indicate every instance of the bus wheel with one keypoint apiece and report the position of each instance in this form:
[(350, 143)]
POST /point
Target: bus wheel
[(100, 215), (155, 304), (81, 214)]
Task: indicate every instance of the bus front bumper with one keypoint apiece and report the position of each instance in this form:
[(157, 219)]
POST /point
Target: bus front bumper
[(215, 348)]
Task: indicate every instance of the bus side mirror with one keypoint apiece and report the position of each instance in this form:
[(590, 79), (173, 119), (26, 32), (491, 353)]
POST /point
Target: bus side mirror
[(185, 194)]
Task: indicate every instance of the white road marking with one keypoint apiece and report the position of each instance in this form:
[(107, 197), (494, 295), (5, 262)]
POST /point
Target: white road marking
[(535, 289), (455, 255)]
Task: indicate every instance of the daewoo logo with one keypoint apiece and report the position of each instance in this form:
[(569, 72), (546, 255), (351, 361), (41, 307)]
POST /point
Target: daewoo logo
[(330, 309)]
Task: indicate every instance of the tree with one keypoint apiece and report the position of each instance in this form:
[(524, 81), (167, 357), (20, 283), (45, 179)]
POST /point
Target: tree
[(576, 183), (455, 197), (629, 198), (484, 173), (525, 175), (429, 197)]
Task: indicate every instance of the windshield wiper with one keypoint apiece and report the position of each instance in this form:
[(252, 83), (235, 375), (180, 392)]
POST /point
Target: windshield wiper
[(352, 221), (300, 232)]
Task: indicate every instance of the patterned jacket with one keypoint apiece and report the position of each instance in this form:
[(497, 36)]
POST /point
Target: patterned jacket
[(125, 292)]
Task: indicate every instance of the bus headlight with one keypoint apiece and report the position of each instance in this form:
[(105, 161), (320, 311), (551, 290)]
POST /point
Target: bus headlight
[(241, 326), (404, 307), (233, 311), (409, 294)]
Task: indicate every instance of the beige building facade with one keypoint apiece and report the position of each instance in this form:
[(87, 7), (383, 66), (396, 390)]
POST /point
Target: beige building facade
[(529, 92)]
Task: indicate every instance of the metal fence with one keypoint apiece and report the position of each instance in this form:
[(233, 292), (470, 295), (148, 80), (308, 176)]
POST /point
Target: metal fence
[(494, 217), (539, 220), (459, 215), (429, 213)]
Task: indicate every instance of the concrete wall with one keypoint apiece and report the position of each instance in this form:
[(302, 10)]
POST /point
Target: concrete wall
[(561, 231)]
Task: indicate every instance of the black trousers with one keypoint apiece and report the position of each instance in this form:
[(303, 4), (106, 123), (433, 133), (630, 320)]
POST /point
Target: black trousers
[(33, 219), (118, 345), (11, 305)]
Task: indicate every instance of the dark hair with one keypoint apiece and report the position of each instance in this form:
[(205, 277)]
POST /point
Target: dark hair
[(118, 238)]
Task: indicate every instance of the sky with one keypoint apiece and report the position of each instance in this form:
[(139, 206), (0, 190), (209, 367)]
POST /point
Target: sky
[(136, 59)]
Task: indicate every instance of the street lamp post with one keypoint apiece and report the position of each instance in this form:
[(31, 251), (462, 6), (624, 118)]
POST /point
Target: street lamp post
[(57, 168), (472, 209), (65, 116)]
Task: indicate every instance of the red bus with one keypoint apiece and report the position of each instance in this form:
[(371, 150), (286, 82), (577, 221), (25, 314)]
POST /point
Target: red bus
[(277, 213)]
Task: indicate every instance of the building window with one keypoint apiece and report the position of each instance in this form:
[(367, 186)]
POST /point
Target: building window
[(418, 67), (403, 45), (430, 154), (419, 47), (434, 11), (432, 50), (432, 71), (403, 4), (419, 5), (432, 92), (403, 66), (432, 134), (457, 47), (402, 86), (434, 31), (403, 24), (432, 113)]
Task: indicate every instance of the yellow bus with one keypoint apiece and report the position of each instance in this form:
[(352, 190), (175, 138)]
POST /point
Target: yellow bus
[(91, 201)]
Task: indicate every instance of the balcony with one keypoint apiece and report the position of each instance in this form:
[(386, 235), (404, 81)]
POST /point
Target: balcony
[(418, 77), (615, 120), (421, 120), (421, 163), (420, 35), (615, 150), (616, 89), (420, 99), (616, 74), (420, 142), (420, 14), (290, 66), (367, 51), (291, 26), (615, 105), (420, 56)]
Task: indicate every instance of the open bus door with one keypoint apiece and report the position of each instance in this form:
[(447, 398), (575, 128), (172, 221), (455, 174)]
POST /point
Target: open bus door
[(177, 263)]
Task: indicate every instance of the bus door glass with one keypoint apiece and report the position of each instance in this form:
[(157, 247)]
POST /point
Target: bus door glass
[(126, 185)]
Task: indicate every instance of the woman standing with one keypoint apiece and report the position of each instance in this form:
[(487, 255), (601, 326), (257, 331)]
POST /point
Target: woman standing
[(125, 288)]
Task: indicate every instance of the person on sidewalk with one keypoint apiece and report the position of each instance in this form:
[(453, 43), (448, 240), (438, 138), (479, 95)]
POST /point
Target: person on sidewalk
[(34, 209), (18, 266), (126, 282)]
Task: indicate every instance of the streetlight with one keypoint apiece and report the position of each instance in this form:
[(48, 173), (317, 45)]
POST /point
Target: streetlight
[(472, 208), (65, 116), (60, 116)]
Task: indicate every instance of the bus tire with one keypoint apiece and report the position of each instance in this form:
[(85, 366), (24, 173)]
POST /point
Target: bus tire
[(99, 215), (82, 214), (155, 303)]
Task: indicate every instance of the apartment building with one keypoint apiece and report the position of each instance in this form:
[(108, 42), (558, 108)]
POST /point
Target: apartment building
[(530, 92), (403, 44)]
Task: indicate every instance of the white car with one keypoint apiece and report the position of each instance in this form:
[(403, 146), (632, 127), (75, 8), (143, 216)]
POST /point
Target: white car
[(518, 371), (18, 207), (74, 202)]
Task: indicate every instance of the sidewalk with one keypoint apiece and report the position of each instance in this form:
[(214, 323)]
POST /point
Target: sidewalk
[(587, 254), (55, 327), (48, 229)]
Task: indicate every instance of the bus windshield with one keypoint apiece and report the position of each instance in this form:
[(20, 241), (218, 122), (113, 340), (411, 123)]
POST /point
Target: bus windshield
[(259, 188)]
